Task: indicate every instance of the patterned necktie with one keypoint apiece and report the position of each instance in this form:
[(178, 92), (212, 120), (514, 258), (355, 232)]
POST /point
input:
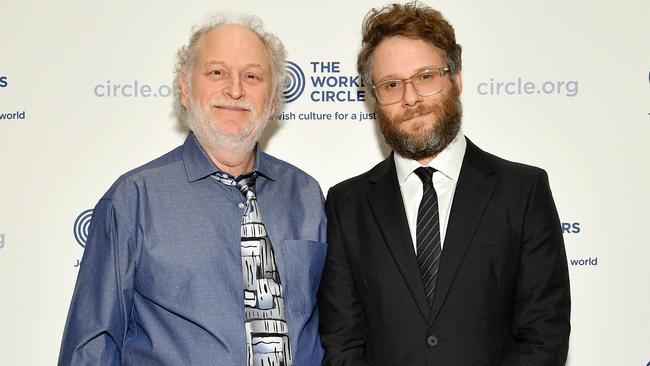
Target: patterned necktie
[(267, 337), (428, 233)]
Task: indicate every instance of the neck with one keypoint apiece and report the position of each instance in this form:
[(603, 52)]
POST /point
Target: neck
[(232, 162), (427, 160)]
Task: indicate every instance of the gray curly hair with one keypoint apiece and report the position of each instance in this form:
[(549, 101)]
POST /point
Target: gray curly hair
[(186, 55)]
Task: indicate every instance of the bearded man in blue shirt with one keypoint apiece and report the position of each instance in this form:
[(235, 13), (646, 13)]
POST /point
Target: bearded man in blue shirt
[(212, 253)]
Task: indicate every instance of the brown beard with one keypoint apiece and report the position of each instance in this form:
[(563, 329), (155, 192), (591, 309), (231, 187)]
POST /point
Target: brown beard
[(428, 144)]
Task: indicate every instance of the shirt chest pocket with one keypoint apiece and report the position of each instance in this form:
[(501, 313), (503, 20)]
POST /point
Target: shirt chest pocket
[(302, 262)]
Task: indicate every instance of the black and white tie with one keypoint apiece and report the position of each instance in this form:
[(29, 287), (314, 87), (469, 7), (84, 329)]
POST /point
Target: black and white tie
[(427, 232), (267, 335)]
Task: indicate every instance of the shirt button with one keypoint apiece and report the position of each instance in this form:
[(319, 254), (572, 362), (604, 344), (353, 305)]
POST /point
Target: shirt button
[(432, 341), (241, 205)]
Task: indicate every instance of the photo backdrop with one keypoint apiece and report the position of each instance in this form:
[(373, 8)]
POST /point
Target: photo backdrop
[(85, 95)]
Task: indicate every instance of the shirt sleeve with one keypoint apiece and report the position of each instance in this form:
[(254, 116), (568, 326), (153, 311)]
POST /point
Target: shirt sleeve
[(97, 321)]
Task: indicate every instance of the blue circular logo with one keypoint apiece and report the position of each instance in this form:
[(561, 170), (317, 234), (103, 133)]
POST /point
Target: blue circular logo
[(81, 225), (294, 82)]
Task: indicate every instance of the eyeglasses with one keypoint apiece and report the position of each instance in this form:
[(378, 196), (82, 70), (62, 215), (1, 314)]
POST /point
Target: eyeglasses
[(427, 82)]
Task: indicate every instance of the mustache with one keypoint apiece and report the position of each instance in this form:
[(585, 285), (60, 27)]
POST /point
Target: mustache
[(417, 111), (223, 102)]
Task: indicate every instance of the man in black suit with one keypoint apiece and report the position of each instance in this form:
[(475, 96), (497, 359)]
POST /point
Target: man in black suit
[(442, 254)]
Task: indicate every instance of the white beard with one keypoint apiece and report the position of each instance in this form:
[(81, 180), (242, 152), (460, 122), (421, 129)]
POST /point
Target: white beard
[(207, 131)]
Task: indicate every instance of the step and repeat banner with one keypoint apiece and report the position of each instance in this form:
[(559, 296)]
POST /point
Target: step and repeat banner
[(85, 95)]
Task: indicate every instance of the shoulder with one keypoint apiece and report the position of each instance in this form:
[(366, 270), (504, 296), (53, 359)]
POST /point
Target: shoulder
[(350, 185), (384, 169), (288, 173), (504, 169), (358, 185), (159, 168)]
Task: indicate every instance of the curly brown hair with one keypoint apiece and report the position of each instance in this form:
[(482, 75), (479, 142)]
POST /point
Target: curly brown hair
[(411, 20)]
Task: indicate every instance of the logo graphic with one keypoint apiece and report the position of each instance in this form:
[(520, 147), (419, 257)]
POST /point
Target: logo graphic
[(81, 225), (294, 82)]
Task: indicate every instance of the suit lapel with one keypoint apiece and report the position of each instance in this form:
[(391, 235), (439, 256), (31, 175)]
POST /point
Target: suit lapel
[(385, 200), (473, 191)]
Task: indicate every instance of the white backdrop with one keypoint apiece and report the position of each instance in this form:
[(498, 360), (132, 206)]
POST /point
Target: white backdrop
[(561, 84)]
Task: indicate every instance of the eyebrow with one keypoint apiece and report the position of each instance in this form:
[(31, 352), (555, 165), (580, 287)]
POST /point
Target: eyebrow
[(247, 66)]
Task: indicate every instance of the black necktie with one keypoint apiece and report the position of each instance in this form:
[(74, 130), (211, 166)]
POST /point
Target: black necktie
[(428, 233)]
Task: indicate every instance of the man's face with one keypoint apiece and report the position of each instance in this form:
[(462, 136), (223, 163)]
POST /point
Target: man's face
[(229, 98), (416, 127)]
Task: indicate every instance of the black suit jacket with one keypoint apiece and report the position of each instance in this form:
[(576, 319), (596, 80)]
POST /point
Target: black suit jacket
[(502, 296)]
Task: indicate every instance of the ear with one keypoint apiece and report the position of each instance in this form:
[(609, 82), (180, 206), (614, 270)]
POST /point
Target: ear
[(459, 82), (184, 93), (274, 106)]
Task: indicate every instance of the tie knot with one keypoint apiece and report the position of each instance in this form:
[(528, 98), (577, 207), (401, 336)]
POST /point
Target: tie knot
[(246, 183), (425, 174)]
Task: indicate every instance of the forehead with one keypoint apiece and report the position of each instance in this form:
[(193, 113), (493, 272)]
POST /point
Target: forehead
[(233, 44), (401, 57)]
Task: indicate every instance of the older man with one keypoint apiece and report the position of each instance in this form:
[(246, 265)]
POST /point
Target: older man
[(210, 254), (442, 254)]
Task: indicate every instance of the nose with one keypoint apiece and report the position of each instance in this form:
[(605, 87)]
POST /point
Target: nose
[(234, 87), (411, 96)]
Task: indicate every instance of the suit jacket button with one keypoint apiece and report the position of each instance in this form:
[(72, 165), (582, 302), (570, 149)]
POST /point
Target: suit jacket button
[(432, 341)]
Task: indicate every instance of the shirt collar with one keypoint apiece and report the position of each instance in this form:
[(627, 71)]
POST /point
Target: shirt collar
[(448, 161), (198, 164)]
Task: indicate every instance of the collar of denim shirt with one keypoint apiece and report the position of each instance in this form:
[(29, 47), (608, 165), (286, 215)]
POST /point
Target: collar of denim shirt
[(199, 166)]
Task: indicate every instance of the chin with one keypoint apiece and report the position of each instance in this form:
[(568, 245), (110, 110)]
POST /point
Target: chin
[(229, 127), (418, 127)]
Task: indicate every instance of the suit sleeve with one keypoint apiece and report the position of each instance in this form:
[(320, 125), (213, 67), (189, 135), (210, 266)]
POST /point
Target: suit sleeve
[(542, 307), (96, 326), (342, 321)]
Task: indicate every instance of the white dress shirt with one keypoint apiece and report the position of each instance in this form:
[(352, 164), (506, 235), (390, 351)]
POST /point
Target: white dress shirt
[(447, 164)]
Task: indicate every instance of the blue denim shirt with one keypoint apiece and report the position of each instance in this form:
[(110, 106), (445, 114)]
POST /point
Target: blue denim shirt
[(161, 277)]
